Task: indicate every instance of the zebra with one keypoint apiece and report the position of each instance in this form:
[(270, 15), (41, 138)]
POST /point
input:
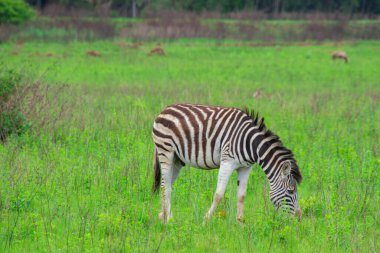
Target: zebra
[(211, 137)]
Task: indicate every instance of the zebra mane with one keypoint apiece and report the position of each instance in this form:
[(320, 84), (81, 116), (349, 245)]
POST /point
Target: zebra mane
[(259, 121)]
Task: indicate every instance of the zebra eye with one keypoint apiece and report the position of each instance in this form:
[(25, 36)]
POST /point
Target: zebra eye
[(291, 191)]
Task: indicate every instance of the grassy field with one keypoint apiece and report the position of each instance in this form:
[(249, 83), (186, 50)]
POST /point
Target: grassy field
[(84, 186)]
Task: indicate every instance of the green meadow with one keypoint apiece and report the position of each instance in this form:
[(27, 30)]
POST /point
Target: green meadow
[(83, 184)]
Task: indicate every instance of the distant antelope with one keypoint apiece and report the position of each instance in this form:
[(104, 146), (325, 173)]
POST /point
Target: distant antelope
[(339, 55), (157, 50), (93, 53), (257, 94), (208, 137)]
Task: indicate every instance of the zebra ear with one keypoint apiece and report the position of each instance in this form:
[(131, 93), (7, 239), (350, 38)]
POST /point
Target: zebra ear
[(286, 169)]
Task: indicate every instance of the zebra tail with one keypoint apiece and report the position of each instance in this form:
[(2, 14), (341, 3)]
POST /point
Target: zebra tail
[(157, 173)]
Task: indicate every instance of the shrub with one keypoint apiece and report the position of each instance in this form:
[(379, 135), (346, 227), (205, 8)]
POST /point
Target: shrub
[(15, 11), (12, 121), (30, 105)]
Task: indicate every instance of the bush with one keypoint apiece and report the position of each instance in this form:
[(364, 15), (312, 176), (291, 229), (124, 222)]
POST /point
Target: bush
[(31, 105), (15, 11), (12, 121)]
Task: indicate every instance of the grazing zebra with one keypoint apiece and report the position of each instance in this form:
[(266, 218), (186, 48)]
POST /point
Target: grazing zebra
[(209, 137)]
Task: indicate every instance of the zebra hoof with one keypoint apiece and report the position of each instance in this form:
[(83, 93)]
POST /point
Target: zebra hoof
[(207, 216), (240, 220)]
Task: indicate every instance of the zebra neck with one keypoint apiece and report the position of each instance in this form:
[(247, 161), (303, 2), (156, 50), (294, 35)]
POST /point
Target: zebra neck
[(267, 150), (272, 163)]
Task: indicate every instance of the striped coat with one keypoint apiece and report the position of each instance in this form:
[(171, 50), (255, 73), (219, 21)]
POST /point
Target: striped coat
[(209, 137)]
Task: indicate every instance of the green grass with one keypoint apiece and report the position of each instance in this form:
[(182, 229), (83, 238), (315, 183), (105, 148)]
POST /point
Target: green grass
[(85, 186)]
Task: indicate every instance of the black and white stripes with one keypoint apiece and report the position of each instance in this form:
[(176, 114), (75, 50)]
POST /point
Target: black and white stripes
[(209, 137)]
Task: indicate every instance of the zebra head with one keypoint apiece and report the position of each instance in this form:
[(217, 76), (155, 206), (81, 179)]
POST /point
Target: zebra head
[(283, 188)]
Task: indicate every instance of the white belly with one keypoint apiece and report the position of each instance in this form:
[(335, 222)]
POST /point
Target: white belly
[(207, 162)]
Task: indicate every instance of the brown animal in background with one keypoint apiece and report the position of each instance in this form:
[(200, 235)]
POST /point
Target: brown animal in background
[(136, 45), (257, 94), (93, 53), (339, 55), (157, 51)]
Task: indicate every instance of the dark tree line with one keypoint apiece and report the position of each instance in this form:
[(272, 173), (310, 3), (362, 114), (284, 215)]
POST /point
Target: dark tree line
[(277, 6), (226, 6)]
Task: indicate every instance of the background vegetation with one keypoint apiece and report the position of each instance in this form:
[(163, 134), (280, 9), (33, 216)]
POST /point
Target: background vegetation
[(138, 7), (79, 177), (15, 11)]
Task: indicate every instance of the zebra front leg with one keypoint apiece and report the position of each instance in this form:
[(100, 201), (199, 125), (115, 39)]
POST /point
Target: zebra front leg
[(242, 181), (225, 172)]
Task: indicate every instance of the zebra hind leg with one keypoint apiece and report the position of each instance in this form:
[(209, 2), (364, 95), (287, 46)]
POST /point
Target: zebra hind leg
[(167, 166), (177, 166)]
